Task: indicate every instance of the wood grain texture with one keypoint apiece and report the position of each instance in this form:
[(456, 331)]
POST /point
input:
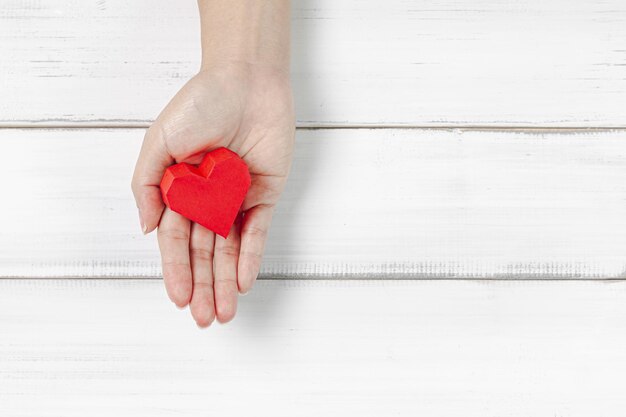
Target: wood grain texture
[(380, 203), (311, 348), (420, 63)]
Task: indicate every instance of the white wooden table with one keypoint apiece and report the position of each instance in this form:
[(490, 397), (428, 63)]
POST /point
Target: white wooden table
[(452, 239)]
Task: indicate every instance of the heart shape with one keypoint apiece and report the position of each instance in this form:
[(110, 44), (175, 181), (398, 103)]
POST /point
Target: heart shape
[(209, 194)]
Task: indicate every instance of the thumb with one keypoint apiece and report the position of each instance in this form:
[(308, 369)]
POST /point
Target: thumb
[(151, 164)]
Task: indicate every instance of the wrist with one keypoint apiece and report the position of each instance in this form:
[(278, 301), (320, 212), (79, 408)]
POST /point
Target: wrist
[(248, 34), (250, 73)]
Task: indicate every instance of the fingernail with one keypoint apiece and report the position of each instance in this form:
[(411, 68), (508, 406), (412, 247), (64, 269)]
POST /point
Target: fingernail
[(144, 228)]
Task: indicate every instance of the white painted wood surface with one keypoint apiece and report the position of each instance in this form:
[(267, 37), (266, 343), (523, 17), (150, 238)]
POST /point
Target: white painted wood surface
[(312, 348), (355, 62), (381, 203), (373, 204)]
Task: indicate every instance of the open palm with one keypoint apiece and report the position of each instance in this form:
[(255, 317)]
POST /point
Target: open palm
[(249, 111)]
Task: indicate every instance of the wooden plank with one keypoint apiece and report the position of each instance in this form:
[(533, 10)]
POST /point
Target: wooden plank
[(311, 348), (360, 203), (421, 63)]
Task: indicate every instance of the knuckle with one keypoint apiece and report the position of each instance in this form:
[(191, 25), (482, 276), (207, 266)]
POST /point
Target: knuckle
[(204, 286), (227, 251), (174, 234), (226, 284), (175, 263), (134, 186), (201, 254), (255, 232)]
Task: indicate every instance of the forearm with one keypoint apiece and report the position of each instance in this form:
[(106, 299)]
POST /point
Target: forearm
[(251, 32)]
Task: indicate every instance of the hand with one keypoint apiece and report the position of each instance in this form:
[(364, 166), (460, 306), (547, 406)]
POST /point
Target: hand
[(250, 111)]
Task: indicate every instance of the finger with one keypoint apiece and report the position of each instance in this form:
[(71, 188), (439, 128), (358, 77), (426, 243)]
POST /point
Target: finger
[(152, 162), (173, 236), (225, 270), (202, 303), (255, 227)]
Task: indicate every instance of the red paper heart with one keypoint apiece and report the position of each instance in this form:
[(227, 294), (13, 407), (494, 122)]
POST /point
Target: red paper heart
[(210, 194)]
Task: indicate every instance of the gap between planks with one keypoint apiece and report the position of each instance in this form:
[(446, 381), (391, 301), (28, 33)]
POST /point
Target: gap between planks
[(444, 127), (318, 278)]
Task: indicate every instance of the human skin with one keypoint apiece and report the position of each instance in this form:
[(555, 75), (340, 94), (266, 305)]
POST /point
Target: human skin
[(240, 99)]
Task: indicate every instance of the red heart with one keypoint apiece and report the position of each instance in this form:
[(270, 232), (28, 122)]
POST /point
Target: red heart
[(210, 194)]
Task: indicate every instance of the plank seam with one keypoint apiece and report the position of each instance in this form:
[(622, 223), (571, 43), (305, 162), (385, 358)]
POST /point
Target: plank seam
[(481, 128), (319, 278)]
